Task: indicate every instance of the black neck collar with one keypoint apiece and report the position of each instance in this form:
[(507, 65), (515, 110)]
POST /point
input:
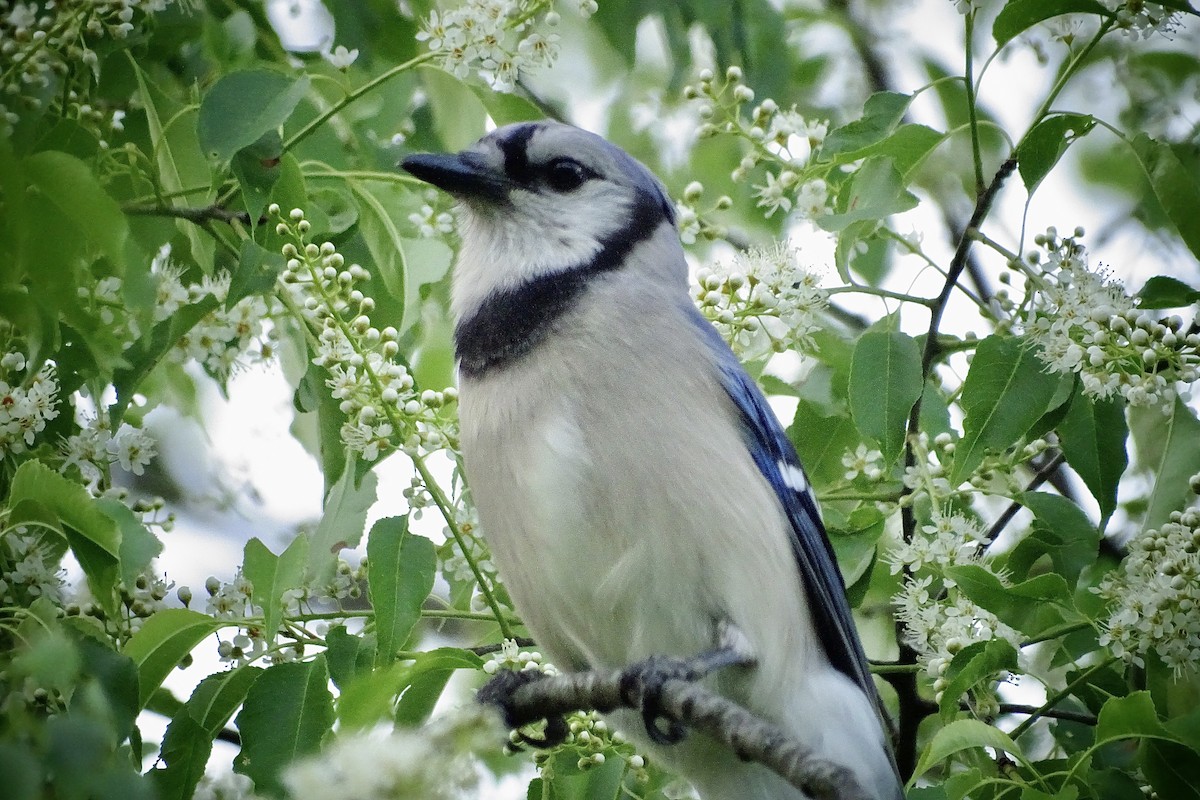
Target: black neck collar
[(510, 323)]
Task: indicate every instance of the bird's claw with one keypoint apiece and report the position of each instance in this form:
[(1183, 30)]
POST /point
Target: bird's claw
[(642, 687), (498, 692)]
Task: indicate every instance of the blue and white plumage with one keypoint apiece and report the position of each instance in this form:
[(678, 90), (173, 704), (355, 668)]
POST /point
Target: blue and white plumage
[(638, 494)]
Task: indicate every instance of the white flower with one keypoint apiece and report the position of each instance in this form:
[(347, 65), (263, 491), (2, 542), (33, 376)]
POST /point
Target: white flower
[(862, 462), (340, 57), (132, 448), (773, 194)]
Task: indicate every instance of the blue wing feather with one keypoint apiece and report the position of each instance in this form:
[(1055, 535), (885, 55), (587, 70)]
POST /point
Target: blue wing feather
[(776, 458)]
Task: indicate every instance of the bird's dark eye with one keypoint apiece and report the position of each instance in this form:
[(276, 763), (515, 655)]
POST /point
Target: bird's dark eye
[(565, 174)]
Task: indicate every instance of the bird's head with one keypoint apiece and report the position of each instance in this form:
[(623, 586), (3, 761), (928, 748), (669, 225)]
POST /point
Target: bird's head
[(538, 198)]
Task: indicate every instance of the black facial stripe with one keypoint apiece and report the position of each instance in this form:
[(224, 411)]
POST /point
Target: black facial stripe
[(512, 322), (516, 156)]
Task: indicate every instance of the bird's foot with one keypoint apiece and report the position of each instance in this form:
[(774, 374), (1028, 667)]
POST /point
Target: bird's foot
[(499, 692), (642, 685)]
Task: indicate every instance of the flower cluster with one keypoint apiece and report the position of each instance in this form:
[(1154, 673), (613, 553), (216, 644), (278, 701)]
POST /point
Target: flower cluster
[(1084, 322), (781, 139), (224, 340), (378, 395), (42, 46), (430, 222), (95, 448), (495, 38), (766, 303), (459, 567), (1137, 18), (435, 762), (938, 619), (26, 407), (29, 569), (1155, 595), (694, 222)]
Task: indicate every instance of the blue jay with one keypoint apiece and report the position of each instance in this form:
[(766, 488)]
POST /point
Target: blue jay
[(638, 495)]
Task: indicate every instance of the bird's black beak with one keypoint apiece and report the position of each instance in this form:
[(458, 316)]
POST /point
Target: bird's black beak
[(463, 175)]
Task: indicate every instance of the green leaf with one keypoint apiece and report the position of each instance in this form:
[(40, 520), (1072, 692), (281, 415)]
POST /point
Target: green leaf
[(1130, 716), (882, 112), (257, 168), (349, 656), (964, 734), (369, 698), (1046, 142), (94, 537), (71, 186), (381, 234), (184, 752), (1013, 605), (1093, 437), (1176, 187), (21, 770), (256, 272), (1006, 391), (427, 680), (163, 640), (1163, 291), (875, 192), (287, 712), (138, 545), (180, 163), (117, 676), (244, 105), (885, 381), (217, 697), (971, 665), (1062, 531), (271, 575), (821, 440), (1167, 444), (342, 524), (458, 114), (402, 569), (1018, 16), (1171, 769)]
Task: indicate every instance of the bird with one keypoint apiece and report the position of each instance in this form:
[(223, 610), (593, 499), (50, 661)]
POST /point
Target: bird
[(637, 493)]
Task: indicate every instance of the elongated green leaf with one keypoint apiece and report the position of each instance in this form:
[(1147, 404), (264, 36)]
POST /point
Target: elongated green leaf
[(1167, 444), (1163, 291), (188, 740), (1045, 144), (971, 665), (402, 568), (271, 575), (885, 381), (821, 441), (1013, 605), (964, 734), (39, 492), (163, 640), (1171, 769), (1021, 15), (1093, 437), (371, 696), (382, 236), (244, 105), (876, 191), (348, 655), (138, 545), (882, 112), (1062, 531), (180, 164), (342, 524), (427, 680), (287, 712), (1132, 715), (184, 753), (69, 184), (1175, 185), (1005, 393)]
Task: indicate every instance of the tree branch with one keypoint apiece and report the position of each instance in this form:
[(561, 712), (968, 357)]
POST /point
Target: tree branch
[(196, 215), (525, 697)]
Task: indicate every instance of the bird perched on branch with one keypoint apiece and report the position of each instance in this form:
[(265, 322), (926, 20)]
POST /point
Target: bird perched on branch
[(638, 495)]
